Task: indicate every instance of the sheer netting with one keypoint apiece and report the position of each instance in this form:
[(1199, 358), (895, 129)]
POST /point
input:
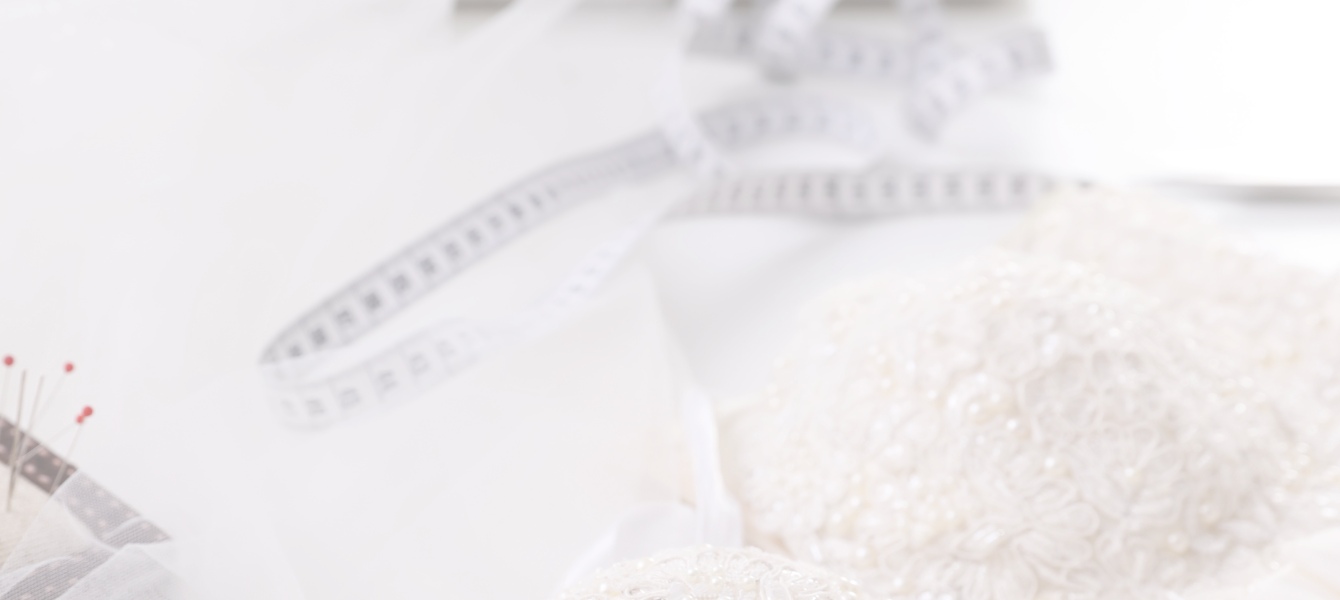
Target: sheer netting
[(711, 572), (1023, 427), (84, 544)]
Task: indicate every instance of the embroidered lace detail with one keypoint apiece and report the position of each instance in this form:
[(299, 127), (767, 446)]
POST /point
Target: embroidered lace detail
[(1021, 428), (1284, 318)]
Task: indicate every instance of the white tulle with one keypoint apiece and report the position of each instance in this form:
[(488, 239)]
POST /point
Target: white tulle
[(56, 537)]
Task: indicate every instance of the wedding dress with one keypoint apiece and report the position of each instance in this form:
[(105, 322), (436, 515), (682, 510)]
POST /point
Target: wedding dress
[(1073, 415)]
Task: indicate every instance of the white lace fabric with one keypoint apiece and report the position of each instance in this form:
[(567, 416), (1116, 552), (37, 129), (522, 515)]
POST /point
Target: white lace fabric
[(1284, 319), (718, 573), (1031, 427)]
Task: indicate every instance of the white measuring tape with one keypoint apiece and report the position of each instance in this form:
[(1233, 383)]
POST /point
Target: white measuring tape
[(319, 377), (310, 395), (782, 32), (882, 192), (940, 76), (291, 362)]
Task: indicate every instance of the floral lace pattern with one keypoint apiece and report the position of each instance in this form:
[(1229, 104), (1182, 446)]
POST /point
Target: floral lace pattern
[(1024, 428), (1285, 319), (708, 573)]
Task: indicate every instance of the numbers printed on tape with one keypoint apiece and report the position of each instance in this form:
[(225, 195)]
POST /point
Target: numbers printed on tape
[(442, 351), (941, 77), (434, 259)]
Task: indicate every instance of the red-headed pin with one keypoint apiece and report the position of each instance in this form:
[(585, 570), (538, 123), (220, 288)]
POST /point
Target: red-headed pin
[(16, 446), (79, 426), (51, 398), (4, 392)]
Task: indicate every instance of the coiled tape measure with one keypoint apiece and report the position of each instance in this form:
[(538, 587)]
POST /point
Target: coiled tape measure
[(785, 37), (308, 401)]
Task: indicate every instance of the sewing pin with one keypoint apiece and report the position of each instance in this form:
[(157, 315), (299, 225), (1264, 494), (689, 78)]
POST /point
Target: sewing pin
[(4, 392), (69, 368), (18, 443), (79, 426)]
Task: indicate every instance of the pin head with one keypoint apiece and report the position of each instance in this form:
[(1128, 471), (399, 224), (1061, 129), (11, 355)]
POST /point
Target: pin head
[(83, 414), (9, 360), (69, 367)]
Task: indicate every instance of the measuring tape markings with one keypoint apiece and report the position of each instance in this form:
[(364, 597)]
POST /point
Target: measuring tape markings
[(372, 298), (432, 260), (678, 124), (873, 193), (783, 31), (824, 52), (425, 358), (777, 37), (445, 349), (309, 398), (942, 76), (824, 194), (845, 54), (972, 73)]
